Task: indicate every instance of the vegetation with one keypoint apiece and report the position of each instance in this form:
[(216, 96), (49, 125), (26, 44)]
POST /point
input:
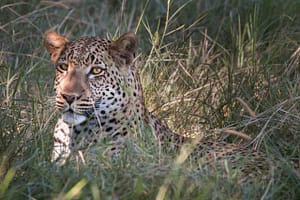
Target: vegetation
[(206, 66)]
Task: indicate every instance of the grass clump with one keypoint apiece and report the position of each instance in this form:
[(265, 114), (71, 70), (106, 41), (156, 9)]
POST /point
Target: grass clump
[(197, 59)]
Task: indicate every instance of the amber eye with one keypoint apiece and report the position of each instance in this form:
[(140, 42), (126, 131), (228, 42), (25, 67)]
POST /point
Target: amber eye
[(63, 67), (96, 70)]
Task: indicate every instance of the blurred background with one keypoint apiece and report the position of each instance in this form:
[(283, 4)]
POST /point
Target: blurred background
[(206, 66)]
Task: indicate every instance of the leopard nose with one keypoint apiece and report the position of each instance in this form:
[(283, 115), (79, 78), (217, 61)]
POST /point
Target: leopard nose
[(70, 98)]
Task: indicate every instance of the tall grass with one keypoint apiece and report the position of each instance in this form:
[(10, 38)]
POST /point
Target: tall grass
[(196, 58)]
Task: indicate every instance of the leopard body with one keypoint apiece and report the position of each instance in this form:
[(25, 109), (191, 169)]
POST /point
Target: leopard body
[(99, 95)]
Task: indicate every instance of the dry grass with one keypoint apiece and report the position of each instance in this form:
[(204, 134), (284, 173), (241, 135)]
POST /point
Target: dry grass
[(207, 67)]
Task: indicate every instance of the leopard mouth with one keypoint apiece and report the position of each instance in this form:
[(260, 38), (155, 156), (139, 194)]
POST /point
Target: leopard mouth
[(73, 118)]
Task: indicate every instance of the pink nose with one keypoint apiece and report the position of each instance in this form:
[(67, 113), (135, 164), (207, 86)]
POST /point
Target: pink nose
[(70, 98)]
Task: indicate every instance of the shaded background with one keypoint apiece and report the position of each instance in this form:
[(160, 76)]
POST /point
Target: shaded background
[(195, 58)]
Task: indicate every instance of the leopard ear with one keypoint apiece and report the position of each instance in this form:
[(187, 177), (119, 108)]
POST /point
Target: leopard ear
[(123, 49), (54, 44)]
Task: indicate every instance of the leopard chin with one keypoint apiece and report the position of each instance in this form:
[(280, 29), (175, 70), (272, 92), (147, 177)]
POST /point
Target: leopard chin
[(73, 118)]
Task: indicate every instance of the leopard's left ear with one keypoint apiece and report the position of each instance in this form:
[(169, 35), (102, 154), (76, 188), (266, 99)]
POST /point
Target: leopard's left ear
[(54, 44), (123, 49)]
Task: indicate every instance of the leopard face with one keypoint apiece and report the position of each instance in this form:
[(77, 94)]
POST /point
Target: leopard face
[(93, 76)]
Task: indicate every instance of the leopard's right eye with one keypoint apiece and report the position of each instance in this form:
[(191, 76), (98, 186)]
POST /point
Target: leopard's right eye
[(62, 67)]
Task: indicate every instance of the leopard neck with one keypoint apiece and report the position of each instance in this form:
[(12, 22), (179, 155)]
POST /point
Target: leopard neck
[(160, 130)]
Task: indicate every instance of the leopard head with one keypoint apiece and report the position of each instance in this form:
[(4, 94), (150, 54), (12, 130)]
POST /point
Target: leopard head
[(92, 75)]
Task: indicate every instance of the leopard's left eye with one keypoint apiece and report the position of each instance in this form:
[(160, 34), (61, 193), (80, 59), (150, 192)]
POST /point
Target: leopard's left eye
[(96, 70), (62, 67)]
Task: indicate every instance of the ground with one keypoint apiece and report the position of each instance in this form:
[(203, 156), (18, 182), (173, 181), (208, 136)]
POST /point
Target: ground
[(197, 59)]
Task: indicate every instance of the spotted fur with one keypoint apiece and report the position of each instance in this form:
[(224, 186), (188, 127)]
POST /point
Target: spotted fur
[(99, 95)]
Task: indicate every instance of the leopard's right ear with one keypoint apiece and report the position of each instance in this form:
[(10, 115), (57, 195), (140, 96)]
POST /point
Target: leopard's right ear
[(54, 44)]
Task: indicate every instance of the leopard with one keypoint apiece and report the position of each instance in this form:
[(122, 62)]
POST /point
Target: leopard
[(99, 95)]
